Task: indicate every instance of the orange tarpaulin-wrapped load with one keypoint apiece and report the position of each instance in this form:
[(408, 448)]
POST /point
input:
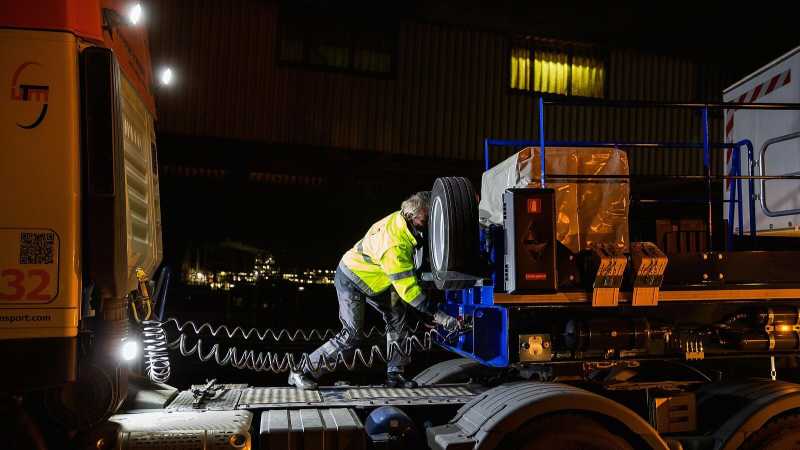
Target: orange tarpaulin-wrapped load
[(587, 210)]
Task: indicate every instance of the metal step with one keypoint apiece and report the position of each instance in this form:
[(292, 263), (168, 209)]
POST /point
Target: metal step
[(196, 430), (300, 429)]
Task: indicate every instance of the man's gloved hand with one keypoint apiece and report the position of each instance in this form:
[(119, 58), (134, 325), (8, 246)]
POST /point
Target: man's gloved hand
[(447, 321)]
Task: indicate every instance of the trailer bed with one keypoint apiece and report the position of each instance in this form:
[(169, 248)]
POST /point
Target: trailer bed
[(687, 295)]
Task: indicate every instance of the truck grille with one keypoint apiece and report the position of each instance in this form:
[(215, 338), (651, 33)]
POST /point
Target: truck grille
[(143, 217), (137, 173)]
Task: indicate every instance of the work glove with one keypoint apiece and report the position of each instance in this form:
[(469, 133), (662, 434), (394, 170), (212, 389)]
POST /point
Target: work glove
[(447, 321)]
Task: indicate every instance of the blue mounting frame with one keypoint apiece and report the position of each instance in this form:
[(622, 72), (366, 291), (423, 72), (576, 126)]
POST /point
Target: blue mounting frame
[(489, 340), (486, 342)]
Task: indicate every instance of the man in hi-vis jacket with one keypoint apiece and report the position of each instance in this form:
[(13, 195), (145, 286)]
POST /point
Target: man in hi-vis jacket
[(381, 261)]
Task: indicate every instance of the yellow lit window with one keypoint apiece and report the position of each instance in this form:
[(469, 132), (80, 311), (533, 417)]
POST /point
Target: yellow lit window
[(551, 72), (520, 68), (588, 77), (557, 72)]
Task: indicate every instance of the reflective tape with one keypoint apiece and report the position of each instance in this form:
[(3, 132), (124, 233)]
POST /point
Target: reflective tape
[(401, 275), (357, 281), (418, 302), (360, 249)]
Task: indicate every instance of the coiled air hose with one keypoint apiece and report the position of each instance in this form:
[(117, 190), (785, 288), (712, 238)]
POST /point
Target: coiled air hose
[(156, 352), (154, 339), (267, 361)]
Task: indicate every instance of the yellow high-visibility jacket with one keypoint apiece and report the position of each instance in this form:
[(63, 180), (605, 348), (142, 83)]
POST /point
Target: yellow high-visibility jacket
[(383, 258)]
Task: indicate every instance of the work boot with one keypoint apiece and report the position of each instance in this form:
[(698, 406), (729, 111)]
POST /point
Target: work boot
[(396, 379), (301, 381)]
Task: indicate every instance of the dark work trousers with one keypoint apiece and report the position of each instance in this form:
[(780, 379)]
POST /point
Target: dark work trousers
[(352, 304)]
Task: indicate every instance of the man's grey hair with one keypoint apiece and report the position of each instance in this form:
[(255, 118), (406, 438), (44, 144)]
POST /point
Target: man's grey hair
[(415, 204)]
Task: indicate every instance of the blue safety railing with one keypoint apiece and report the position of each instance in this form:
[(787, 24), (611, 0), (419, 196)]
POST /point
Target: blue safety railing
[(735, 199), (734, 176)]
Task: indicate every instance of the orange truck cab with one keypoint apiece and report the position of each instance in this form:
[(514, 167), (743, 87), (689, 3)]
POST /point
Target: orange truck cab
[(79, 202)]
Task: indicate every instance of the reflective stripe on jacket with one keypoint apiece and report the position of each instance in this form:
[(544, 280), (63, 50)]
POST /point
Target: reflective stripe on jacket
[(384, 257)]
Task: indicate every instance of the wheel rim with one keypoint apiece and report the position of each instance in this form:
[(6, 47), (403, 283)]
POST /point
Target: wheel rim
[(419, 257), (437, 240)]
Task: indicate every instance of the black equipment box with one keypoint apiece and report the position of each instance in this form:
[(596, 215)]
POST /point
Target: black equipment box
[(529, 219)]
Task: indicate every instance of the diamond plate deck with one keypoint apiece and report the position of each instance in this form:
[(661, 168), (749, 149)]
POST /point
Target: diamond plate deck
[(226, 400), (282, 395), (224, 386), (268, 398), (369, 393), (350, 397)]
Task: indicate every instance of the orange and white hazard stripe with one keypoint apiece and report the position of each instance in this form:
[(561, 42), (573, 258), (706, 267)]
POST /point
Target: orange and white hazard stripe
[(776, 82)]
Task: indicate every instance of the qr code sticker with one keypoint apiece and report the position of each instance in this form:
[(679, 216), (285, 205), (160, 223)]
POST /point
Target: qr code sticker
[(36, 248)]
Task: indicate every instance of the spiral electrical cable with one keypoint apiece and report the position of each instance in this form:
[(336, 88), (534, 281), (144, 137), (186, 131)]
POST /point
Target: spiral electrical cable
[(267, 361), (268, 333), (283, 362), (156, 351)]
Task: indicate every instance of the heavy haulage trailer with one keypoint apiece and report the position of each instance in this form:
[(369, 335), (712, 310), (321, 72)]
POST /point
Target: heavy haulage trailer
[(573, 336)]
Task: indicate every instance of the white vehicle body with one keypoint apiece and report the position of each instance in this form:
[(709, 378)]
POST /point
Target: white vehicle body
[(775, 135)]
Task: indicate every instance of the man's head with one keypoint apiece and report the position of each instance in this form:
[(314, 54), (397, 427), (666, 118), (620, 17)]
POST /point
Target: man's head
[(415, 209)]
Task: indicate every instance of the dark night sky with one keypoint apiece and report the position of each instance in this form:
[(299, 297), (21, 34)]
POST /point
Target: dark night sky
[(743, 37)]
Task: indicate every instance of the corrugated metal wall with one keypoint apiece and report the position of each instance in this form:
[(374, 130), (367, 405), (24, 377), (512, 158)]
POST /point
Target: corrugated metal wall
[(450, 91)]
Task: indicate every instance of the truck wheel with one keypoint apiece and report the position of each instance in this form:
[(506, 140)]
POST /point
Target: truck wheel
[(453, 231), (565, 432), (782, 433), (86, 402)]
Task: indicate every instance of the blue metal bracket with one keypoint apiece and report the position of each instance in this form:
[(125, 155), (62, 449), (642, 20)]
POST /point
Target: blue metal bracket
[(487, 340)]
